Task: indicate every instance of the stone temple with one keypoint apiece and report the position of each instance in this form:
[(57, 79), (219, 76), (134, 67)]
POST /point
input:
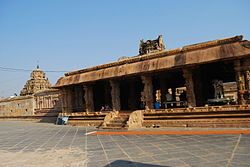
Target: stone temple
[(37, 82), (37, 100), (200, 85), (205, 84)]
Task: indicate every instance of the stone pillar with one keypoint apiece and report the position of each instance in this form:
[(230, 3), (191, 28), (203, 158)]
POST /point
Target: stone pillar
[(174, 95), (240, 81), (69, 100), (75, 95), (148, 91), (64, 100), (50, 102), (246, 66), (164, 90), (80, 98), (115, 95), (189, 83), (88, 97), (247, 80)]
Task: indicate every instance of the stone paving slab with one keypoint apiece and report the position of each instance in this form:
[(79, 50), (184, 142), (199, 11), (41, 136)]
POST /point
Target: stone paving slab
[(28, 144)]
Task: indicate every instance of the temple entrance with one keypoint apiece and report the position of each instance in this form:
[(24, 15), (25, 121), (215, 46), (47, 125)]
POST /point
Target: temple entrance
[(102, 95), (208, 75), (130, 93)]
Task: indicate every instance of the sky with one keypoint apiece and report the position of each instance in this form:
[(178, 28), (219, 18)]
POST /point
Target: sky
[(67, 35)]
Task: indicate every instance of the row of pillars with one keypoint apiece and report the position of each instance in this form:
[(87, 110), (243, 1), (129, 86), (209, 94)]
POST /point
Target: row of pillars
[(242, 71), (147, 93)]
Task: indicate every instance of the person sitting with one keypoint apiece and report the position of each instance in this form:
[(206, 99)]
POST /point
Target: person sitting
[(102, 109), (169, 98)]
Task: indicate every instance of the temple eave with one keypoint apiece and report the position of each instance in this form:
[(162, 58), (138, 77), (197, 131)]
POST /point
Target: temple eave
[(165, 61), (186, 48)]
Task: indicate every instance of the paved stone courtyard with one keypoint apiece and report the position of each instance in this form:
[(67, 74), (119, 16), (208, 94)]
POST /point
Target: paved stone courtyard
[(27, 144)]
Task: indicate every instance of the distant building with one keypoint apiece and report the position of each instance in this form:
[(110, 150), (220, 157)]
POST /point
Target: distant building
[(37, 82), (37, 98)]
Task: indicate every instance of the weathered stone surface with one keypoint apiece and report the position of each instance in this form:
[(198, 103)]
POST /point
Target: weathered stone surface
[(36, 83), (37, 99), (48, 101), (17, 106), (135, 119), (151, 46), (110, 116)]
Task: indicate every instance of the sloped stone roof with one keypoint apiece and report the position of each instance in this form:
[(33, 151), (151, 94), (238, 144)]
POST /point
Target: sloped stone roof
[(228, 48)]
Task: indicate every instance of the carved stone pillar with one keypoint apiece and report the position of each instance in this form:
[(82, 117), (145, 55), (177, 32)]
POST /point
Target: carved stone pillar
[(189, 83), (247, 79), (65, 100), (240, 81), (63, 96), (88, 96), (115, 95), (148, 91)]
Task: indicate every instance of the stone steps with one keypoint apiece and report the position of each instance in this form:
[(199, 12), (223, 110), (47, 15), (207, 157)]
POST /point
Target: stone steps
[(119, 122), (86, 119)]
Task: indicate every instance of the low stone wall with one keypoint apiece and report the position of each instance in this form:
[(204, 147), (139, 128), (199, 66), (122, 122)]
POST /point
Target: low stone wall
[(17, 106), (208, 116)]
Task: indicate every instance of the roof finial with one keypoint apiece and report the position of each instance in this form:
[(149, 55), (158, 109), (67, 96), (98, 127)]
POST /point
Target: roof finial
[(37, 66)]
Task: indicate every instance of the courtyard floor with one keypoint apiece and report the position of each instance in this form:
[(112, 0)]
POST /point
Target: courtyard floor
[(29, 144)]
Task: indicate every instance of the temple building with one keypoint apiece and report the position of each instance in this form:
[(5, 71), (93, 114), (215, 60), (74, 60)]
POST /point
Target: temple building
[(36, 83), (194, 76), (37, 100)]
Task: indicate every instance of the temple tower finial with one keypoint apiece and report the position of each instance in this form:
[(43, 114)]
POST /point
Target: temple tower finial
[(37, 66)]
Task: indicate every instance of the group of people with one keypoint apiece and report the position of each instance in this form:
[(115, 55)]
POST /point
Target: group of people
[(171, 101), (105, 108)]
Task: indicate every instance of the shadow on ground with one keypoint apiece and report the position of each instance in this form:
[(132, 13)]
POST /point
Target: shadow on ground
[(48, 119), (124, 163)]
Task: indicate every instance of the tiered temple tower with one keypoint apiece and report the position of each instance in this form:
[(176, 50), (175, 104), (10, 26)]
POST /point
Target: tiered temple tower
[(37, 82)]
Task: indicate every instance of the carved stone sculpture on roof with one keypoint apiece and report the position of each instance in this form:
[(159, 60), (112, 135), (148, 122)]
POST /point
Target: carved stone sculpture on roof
[(151, 46), (36, 83)]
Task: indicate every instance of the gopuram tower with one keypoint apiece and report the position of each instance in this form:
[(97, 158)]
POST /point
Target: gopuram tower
[(37, 82)]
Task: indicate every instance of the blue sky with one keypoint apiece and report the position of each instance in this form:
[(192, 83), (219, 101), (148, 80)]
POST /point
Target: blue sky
[(65, 35)]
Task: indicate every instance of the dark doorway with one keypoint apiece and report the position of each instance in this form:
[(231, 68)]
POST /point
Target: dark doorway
[(102, 95), (130, 93)]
